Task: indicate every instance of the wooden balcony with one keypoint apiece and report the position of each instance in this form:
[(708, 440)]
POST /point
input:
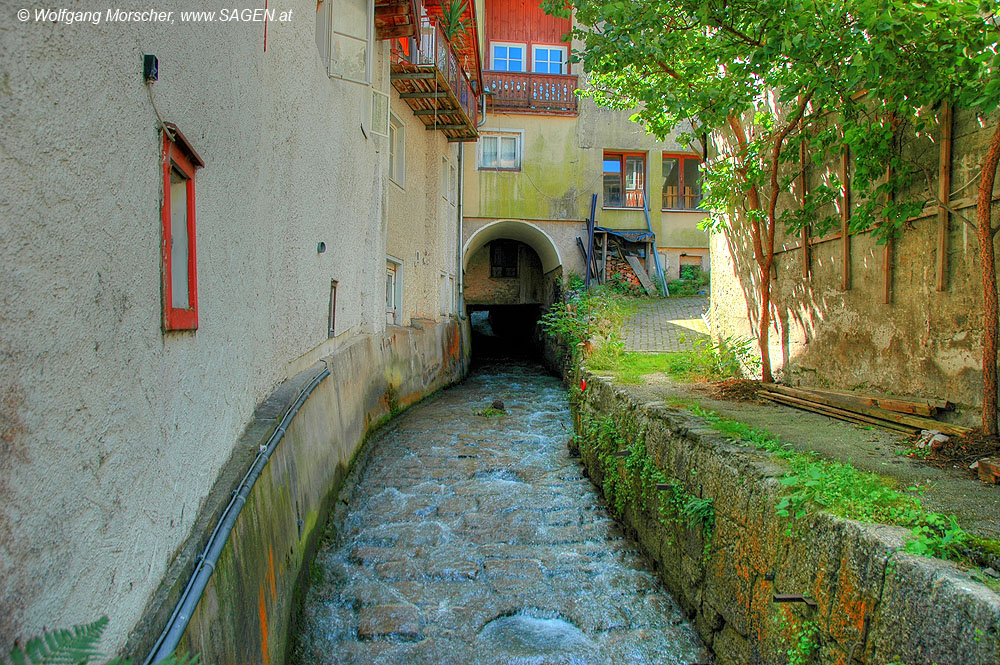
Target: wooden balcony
[(526, 92), (427, 74)]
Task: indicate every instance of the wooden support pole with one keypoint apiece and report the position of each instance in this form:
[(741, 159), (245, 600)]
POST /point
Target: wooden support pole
[(604, 264), (845, 218), (804, 233), (944, 194), (887, 255)]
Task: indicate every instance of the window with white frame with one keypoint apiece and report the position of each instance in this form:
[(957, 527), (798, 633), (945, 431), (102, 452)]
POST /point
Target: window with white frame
[(344, 38), (500, 151), (548, 59), (393, 290), (506, 57), (397, 150)]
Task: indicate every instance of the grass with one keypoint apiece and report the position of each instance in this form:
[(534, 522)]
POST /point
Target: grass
[(704, 361), (814, 484)]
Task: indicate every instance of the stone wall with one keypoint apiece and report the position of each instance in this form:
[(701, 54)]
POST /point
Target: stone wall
[(244, 616), (873, 603), (832, 333)]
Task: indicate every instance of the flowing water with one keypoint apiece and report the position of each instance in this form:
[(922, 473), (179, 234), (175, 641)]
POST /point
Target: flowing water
[(467, 539)]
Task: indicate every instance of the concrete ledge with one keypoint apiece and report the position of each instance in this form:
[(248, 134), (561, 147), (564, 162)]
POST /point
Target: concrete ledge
[(874, 604), (246, 611)]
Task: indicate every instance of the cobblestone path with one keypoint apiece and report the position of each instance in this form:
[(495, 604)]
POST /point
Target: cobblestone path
[(666, 324), (467, 539)]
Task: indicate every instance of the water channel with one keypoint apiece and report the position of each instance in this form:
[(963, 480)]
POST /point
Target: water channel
[(466, 539)]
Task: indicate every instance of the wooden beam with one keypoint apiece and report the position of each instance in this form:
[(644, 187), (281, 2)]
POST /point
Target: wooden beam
[(804, 233), (396, 31), (944, 193), (410, 76), (845, 218), (423, 95), (445, 127), (391, 9)]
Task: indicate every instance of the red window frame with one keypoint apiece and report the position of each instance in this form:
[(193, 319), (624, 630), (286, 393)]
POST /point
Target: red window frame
[(681, 198), (637, 196), (178, 154)]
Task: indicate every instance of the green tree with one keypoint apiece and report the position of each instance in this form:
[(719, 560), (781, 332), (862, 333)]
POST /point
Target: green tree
[(764, 76)]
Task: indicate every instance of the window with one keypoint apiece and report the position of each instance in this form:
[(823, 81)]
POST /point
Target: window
[(624, 179), (393, 290), (397, 150), (500, 151), (179, 272), (453, 185), (548, 59), (331, 317), (344, 38), (681, 182), (507, 57), (503, 258)]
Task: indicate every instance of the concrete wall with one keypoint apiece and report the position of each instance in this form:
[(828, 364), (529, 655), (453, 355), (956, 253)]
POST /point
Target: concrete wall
[(922, 342), (113, 431), (873, 602)]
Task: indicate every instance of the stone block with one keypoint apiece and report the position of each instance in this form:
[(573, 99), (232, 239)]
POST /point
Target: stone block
[(398, 622)]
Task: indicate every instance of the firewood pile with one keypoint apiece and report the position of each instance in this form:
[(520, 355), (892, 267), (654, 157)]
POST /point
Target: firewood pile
[(619, 266)]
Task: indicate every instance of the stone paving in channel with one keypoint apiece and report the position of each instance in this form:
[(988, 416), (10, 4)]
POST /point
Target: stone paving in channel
[(666, 324), (467, 539)]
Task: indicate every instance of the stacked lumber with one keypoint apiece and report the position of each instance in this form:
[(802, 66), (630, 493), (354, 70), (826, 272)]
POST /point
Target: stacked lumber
[(893, 413)]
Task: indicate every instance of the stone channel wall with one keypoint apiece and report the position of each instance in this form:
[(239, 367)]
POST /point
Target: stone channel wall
[(245, 614), (874, 604)]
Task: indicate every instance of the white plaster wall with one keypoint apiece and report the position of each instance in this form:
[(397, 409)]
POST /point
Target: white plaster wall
[(422, 222), (112, 431)]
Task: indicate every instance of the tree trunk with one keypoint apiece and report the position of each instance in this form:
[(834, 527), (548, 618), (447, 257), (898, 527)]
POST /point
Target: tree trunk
[(765, 323), (987, 263)]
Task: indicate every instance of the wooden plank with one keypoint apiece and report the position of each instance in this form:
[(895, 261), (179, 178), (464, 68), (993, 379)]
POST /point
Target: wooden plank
[(604, 259), (423, 95), (411, 76), (845, 218), (641, 273), (834, 412), (433, 127), (930, 404), (396, 31), (944, 193), (391, 9), (872, 412)]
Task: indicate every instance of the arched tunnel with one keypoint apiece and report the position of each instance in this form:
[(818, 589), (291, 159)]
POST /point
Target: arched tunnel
[(512, 274)]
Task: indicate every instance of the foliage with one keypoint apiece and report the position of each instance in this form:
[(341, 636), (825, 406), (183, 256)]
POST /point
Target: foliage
[(586, 315), (617, 283), (813, 483), (453, 25), (804, 643), (693, 281), (634, 481), (75, 646), (490, 412)]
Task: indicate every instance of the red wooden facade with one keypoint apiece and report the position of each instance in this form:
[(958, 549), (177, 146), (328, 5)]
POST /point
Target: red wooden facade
[(523, 22)]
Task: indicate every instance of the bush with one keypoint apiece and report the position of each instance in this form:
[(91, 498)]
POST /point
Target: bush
[(693, 281)]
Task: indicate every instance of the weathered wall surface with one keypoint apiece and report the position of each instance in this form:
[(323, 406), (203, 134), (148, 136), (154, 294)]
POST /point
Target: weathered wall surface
[(422, 228), (873, 602), (528, 287), (922, 342), (114, 432), (244, 615)]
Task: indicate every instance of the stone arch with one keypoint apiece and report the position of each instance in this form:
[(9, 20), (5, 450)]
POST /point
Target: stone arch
[(512, 229)]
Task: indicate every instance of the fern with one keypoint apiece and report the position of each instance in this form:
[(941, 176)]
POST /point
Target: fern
[(76, 646), (62, 647)]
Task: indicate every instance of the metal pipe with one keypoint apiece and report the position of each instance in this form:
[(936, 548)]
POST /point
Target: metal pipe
[(181, 616), (458, 245)]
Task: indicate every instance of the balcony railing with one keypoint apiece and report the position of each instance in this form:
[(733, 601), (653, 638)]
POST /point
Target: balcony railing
[(429, 76), (528, 92)]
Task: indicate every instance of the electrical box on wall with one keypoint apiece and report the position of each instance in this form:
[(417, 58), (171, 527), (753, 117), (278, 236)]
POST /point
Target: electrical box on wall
[(150, 68)]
